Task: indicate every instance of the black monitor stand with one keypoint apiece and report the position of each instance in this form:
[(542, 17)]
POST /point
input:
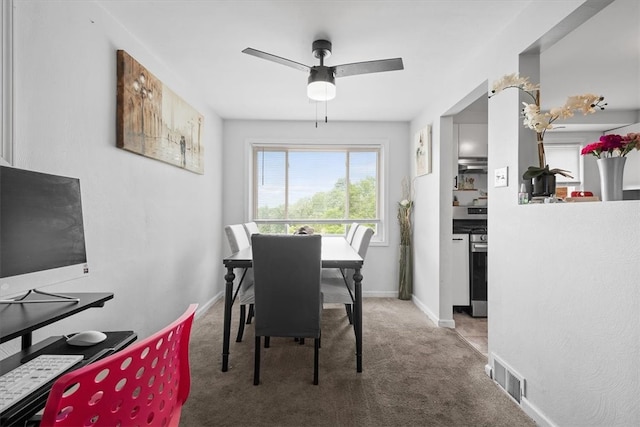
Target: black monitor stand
[(20, 320), (23, 299)]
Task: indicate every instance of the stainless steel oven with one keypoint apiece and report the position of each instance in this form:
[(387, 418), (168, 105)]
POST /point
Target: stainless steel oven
[(473, 221), (478, 245)]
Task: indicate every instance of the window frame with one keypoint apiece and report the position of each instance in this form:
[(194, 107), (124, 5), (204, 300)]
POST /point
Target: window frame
[(6, 82), (369, 144)]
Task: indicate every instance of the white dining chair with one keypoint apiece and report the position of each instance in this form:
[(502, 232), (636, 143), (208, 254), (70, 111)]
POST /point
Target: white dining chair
[(251, 228), (351, 232), (237, 238), (337, 285)]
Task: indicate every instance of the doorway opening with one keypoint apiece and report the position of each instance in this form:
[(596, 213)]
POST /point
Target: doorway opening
[(473, 330)]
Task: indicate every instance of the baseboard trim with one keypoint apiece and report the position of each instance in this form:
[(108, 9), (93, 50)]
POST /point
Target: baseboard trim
[(451, 324), (203, 308), (379, 294), (439, 322), (534, 413)]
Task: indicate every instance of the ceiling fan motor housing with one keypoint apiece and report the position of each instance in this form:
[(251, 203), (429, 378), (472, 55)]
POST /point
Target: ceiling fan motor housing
[(321, 83), (321, 49), (320, 73)]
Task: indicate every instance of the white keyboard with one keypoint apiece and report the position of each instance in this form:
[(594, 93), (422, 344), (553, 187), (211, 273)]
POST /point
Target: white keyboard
[(17, 384)]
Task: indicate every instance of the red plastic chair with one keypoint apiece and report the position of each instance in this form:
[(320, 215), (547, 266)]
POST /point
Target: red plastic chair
[(145, 384)]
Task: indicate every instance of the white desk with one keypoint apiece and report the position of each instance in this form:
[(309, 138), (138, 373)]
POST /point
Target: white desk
[(336, 253)]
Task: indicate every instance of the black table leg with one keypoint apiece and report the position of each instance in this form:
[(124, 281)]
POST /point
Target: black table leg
[(228, 302), (357, 317)]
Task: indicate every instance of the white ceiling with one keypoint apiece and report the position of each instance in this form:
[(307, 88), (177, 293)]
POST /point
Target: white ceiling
[(201, 41)]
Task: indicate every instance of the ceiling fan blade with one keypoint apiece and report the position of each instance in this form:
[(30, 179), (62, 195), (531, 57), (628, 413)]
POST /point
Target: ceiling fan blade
[(368, 67), (279, 60)]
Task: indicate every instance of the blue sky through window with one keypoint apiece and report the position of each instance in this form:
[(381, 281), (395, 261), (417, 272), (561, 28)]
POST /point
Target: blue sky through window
[(310, 172)]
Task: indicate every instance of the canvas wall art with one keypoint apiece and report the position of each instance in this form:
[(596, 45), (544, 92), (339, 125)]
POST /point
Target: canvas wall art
[(155, 122), (423, 151)]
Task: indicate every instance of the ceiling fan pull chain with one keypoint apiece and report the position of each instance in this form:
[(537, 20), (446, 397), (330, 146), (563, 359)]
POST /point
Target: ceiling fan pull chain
[(316, 115), (325, 111)]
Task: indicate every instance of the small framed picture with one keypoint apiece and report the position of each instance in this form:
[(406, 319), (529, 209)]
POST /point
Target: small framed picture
[(423, 151)]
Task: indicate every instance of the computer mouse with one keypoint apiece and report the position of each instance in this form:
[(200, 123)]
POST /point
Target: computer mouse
[(86, 338)]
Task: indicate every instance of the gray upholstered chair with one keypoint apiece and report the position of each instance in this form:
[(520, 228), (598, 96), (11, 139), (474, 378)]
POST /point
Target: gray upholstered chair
[(251, 228), (337, 285), (288, 301), (237, 237)]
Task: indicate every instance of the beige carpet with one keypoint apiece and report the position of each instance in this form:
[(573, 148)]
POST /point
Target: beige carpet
[(415, 374)]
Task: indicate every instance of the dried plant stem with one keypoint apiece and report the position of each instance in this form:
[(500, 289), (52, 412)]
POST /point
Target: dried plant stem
[(541, 157)]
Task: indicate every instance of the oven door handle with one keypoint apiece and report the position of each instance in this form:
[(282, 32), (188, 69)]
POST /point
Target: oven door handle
[(479, 247)]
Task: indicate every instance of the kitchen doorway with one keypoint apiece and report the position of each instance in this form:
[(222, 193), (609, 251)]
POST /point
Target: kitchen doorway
[(473, 330), (469, 215)]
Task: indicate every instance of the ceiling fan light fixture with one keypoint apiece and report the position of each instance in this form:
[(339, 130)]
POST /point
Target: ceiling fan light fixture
[(322, 84), (321, 91)]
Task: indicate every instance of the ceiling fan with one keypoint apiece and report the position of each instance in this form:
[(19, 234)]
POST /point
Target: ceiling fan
[(322, 78)]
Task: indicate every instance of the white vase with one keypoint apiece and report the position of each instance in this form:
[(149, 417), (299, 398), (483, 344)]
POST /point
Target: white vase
[(611, 173)]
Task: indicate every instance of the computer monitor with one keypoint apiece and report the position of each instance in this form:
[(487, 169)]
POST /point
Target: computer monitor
[(42, 238)]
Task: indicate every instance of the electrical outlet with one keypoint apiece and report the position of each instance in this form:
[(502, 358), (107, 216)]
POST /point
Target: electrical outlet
[(501, 177)]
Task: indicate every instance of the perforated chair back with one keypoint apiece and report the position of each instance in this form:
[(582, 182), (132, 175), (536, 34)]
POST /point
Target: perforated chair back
[(144, 384), (352, 231)]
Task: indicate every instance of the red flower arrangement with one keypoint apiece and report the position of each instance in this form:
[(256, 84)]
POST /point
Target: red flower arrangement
[(610, 144)]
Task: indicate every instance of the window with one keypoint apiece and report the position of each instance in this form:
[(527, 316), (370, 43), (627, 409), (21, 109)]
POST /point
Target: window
[(567, 157), (325, 187)]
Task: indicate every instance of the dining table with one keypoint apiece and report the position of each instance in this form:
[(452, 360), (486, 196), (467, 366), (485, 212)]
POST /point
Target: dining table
[(336, 253)]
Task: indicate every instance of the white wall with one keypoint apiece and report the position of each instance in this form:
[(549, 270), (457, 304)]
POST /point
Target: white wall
[(381, 265), (563, 279), (570, 327), (153, 231)]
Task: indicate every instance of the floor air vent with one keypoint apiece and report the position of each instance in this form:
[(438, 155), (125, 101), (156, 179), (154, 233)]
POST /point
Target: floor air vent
[(509, 380)]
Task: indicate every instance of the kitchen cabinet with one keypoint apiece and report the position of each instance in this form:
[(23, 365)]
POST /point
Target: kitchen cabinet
[(460, 270), (473, 140)]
